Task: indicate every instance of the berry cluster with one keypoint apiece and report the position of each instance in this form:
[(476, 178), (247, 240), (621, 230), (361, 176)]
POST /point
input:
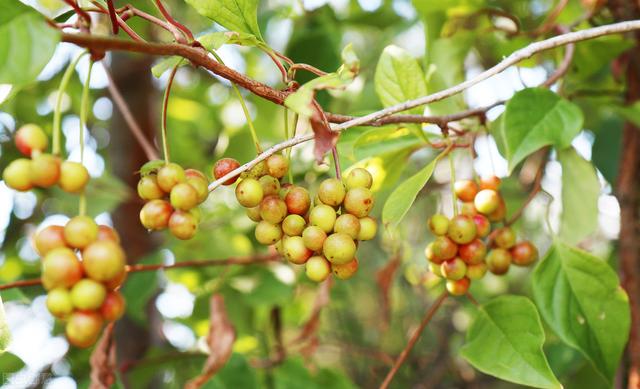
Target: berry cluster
[(172, 195), (40, 169), (459, 253), (83, 265), (324, 237)]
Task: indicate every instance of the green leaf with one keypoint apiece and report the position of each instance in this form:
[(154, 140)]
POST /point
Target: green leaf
[(580, 298), (151, 167), (400, 200), (535, 118), (630, 113), (10, 363), (234, 15), (505, 340), (399, 78), (384, 140), (580, 192), (26, 43), (5, 335)]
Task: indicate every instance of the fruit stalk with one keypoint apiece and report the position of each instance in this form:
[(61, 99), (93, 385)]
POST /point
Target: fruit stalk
[(57, 112)]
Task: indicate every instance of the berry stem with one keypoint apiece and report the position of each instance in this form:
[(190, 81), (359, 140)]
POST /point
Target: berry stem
[(84, 110), (165, 104), (57, 112), (336, 162), (286, 136), (454, 198)]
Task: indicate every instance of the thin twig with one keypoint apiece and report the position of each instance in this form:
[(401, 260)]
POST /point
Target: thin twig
[(537, 185), (549, 23)]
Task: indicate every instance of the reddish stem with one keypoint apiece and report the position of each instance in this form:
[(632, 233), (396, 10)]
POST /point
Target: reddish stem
[(174, 22)]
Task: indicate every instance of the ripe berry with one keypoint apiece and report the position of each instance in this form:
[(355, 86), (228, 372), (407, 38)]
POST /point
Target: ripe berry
[(273, 209), (45, 170), (358, 202), (17, 175), (223, 167), (83, 328), (88, 294), (435, 269), (323, 216), (249, 192), (524, 253), (113, 306), (155, 214), (462, 229), (429, 254), (284, 190), (482, 225), (183, 224), (254, 213), (270, 185), (267, 233), (60, 268), (503, 238), (277, 165), (80, 232), (465, 190), (347, 224), (468, 209), (499, 213), (313, 237), (368, 228), (443, 249), (358, 178), (317, 268), (148, 188), (183, 197), (199, 182), (59, 302), (103, 260), (472, 253), (346, 270), (49, 238), (439, 224), (293, 225), (117, 281), (453, 269), (498, 261), (477, 271), (339, 248), (73, 177), (297, 200), (169, 176), (331, 192), (108, 233), (295, 250), (30, 138), (487, 201), (458, 287), (490, 182)]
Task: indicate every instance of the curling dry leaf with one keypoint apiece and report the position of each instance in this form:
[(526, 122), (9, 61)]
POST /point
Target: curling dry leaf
[(103, 361)]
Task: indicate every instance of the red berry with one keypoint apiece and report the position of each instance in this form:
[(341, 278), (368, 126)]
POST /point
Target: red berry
[(465, 190), (458, 287), (473, 252), (524, 253), (113, 306), (108, 233), (499, 213), (60, 268), (346, 270), (453, 269), (483, 226), (273, 209), (49, 238), (223, 167), (155, 214), (183, 224), (297, 200), (443, 249), (498, 261), (503, 238), (295, 250), (490, 182), (103, 260), (30, 138), (45, 170)]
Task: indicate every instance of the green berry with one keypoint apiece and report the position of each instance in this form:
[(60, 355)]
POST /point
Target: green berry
[(477, 271), (317, 268), (80, 232), (487, 201), (254, 213), (270, 185), (368, 228), (30, 138), (498, 261), (358, 178), (60, 268), (503, 238), (183, 224), (439, 224), (295, 250), (453, 269), (103, 260), (339, 248), (358, 202), (273, 209), (73, 177), (59, 302), (88, 294), (267, 233), (148, 188), (331, 192), (249, 192), (323, 216), (347, 224), (458, 287), (17, 175), (293, 225), (277, 165), (462, 229), (183, 197), (169, 176), (443, 249), (314, 237)]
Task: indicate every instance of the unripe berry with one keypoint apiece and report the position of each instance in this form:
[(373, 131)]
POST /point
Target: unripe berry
[(323, 216), (267, 233), (148, 188), (331, 192), (439, 224), (155, 214), (443, 249), (503, 238), (169, 176), (453, 269), (73, 177), (103, 260), (347, 224), (487, 201), (462, 229), (498, 261), (317, 268), (59, 302), (482, 225), (458, 287), (368, 228), (279, 248), (429, 254), (49, 238), (30, 138), (293, 225), (468, 209), (113, 306), (295, 250), (83, 328), (490, 182), (108, 233), (183, 224), (465, 190), (270, 185), (277, 165), (199, 182), (259, 170), (358, 202), (183, 197), (273, 209), (358, 178), (473, 253), (435, 269), (339, 248), (60, 268), (223, 167), (284, 190), (80, 232), (17, 175), (45, 170), (499, 213), (346, 270), (88, 294), (254, 213), (297, 200), (249, 192), (477, 271), (194, 173), (117, 281), (313, 237), (524, 253)]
